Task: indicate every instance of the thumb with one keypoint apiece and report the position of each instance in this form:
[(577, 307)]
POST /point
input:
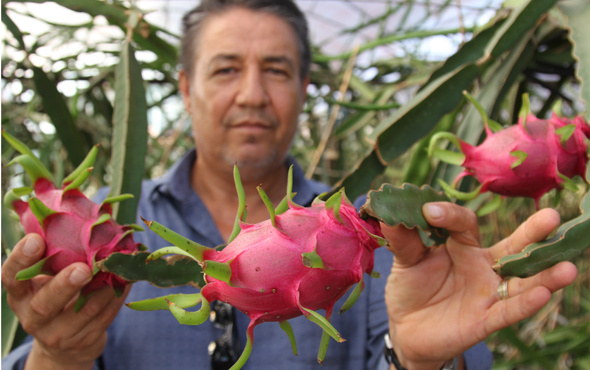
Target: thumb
[(405, 244)]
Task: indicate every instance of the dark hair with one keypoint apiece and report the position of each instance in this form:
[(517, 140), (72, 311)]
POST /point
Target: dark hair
[(284, 9)]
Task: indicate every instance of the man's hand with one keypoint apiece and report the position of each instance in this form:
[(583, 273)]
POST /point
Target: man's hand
[(443, 300), (44, 305)]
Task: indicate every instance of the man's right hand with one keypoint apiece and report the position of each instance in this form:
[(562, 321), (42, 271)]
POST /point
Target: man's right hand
[(63, 339)]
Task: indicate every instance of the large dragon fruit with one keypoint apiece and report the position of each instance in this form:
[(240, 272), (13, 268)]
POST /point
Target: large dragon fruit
[(526, 159), (300, 260), (74, 228)]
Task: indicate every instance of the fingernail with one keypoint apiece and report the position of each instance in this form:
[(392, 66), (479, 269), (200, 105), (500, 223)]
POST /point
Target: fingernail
[(434, 211), (31, 247), (79, 276)]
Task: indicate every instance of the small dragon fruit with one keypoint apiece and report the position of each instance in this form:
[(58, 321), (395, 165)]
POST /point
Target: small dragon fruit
[(527, 159), (74, 228), (300, 260)]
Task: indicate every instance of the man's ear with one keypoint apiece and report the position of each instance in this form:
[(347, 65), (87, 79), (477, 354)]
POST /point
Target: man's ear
[(184, 87)]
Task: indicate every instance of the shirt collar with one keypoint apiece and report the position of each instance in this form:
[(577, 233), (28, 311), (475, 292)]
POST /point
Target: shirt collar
[(176, 182)]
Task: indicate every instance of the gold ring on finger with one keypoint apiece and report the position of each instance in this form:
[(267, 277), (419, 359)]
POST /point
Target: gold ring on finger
[(503, 289)]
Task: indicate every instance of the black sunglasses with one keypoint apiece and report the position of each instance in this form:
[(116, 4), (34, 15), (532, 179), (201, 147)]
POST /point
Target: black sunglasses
[(221, 351)]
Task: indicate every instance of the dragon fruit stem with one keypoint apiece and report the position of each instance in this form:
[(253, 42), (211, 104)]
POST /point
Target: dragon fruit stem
[(287, 328), (460, 195), (443, 154)]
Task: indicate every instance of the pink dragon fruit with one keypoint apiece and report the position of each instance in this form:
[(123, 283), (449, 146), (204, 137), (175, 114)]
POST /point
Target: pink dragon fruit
[(527, 159), (74, 228), (293, 264)]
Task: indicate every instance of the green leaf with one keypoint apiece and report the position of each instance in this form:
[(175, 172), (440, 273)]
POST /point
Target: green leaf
[(162, 272), (9, 325), (520, 21), (129, 136), (394, 205), (578, 13), (56, 108)]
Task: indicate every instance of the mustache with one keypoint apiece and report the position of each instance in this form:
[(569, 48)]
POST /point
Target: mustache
[(257, 117)]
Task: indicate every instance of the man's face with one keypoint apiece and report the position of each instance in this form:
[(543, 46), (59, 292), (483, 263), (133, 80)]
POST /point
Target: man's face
[(246, 93)]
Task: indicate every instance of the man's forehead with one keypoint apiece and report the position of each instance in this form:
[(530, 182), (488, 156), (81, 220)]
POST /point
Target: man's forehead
[(239, 32)]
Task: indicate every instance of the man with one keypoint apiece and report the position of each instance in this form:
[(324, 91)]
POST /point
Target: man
[(244, 75)]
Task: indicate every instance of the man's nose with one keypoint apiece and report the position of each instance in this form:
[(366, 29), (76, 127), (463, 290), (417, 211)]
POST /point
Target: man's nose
[(252, 89)]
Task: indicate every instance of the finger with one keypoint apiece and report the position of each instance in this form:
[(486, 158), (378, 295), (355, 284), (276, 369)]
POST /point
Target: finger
[(534, 229), (527, 296), (25, 253), (55, 295), (461, 222), (405, 244), (553, 279), (78, 329)]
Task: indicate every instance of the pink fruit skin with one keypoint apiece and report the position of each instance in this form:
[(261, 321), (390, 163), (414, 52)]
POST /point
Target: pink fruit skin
[(490, 162), (270, 281), (70, 236)]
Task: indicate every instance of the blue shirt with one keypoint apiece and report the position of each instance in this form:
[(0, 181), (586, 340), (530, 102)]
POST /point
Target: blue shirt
[(155, 340)]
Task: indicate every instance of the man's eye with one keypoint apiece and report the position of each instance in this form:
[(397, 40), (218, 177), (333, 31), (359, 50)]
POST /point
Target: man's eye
[(224, 71), (278, 71)]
